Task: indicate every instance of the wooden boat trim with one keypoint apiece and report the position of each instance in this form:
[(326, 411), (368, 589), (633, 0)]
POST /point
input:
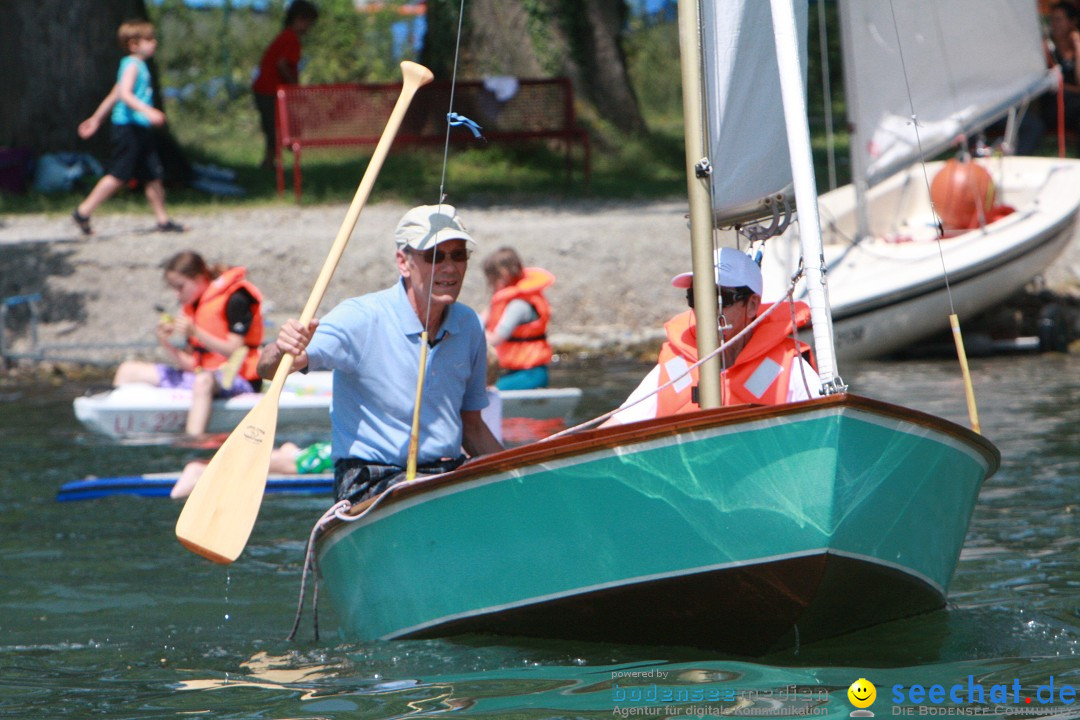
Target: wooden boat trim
[(611, 437)]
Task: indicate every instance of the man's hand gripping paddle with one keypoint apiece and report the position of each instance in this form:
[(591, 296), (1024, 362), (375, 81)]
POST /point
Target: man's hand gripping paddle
[(218, 516)]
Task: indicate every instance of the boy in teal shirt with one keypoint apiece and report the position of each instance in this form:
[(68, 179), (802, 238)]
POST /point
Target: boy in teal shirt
[(134, 154)]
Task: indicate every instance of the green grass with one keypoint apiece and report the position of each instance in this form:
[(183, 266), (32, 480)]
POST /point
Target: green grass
[(623, 167), (498, 173)]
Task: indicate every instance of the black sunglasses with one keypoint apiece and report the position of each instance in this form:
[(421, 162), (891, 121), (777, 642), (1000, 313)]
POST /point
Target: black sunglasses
[(434, 256), (731, 297), (727, 297)]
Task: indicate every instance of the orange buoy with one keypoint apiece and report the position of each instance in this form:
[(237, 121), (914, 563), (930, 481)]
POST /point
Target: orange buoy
[(961, 192)]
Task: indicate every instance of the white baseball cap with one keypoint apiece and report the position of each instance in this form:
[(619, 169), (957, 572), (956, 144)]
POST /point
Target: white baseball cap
[(734, 268), (426, 226)]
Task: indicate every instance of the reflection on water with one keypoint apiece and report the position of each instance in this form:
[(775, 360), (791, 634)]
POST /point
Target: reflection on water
[(103, 614)]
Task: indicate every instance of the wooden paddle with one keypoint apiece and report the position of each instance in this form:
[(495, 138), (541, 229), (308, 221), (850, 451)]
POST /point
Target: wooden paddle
[(218, 516), (232, 366)]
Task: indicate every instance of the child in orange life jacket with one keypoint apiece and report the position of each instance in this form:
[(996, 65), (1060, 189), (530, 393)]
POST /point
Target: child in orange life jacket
[(221, 320), (515, 323), (767, 367)]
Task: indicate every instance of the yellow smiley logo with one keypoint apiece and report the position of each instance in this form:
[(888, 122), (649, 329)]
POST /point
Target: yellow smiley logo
[(862, 693)]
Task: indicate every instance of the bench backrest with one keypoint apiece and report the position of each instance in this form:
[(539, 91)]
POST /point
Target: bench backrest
[(348, 113)]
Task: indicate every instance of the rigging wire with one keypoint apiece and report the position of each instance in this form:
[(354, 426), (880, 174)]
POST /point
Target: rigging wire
[(922, 161), (954, 321), (446, 145), (425, 341)]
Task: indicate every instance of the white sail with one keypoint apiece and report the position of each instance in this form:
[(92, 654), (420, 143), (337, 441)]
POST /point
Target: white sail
[(747, 141), (964, 62)]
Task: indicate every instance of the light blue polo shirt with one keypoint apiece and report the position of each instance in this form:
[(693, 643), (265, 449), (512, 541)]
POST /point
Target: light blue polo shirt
[(372, 343)]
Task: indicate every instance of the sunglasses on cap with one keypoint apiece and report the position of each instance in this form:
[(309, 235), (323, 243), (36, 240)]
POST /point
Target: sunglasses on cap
[(434, 256)]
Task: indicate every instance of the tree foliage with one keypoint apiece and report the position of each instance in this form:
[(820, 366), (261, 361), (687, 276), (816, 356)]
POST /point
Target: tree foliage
[(60, 57), (59, 60), (582, 39)]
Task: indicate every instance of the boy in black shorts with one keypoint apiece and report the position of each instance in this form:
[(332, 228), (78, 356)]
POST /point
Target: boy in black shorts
[(134, 156)]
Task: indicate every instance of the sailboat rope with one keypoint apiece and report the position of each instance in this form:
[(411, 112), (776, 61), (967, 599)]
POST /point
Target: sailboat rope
[(414, 434), (339, 511), (922, 159), (452, 118)]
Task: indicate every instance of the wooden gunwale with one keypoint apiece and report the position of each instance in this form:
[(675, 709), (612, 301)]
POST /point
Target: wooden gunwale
[(604, 438)]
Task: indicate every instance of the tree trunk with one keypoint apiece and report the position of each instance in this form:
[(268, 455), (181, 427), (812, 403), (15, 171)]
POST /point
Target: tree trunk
[(59, 60), (581, 39)]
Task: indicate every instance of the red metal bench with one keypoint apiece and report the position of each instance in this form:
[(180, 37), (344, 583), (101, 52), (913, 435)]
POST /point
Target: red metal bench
[(310, 116)]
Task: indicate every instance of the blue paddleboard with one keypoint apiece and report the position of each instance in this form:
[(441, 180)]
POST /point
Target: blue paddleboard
[(159, 485)]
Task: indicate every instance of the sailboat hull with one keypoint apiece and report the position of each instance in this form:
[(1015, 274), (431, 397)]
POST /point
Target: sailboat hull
[(741, 529), (898, 286)]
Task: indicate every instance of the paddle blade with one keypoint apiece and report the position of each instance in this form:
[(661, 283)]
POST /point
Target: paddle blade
[(220, 512)]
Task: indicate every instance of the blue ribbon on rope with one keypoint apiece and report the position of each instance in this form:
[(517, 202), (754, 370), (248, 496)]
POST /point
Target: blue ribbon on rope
[(456, 120)]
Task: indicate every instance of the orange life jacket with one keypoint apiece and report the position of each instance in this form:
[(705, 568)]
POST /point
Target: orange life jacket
[(209, 314), (760, 374), (527, 347)]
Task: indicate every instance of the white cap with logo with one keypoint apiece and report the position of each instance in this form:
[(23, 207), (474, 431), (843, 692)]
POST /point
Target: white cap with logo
[(426, 226)]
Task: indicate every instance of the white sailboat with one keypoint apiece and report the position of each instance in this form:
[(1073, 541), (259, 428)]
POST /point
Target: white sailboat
[(921, 75)]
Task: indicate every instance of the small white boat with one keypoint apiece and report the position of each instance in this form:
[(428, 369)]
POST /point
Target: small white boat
[(145, 410), (540, 404), (140, 410)]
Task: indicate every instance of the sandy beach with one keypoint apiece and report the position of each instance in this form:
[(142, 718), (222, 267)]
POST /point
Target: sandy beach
[(612, 260)]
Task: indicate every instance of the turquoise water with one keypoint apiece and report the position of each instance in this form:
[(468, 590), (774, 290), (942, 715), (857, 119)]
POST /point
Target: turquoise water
[(103, 614)]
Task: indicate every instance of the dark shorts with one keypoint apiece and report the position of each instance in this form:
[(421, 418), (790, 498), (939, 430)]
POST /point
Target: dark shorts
[(356, 480), (134, 154), (266, 104)]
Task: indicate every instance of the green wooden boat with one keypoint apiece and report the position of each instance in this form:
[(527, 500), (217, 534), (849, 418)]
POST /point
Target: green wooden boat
[(744, 529)]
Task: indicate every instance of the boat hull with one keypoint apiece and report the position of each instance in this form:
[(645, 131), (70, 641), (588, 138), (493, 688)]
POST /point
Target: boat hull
[(743, 530), (884, 288)]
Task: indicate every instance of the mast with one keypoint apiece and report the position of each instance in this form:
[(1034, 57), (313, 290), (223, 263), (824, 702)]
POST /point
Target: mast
[(697, 187), (793, 94)]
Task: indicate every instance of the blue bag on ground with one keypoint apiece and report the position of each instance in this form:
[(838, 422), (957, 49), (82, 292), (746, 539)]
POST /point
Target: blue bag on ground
[(63, 172)]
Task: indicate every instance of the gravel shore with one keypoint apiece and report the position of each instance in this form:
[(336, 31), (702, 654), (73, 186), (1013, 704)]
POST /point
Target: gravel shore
[(612, 261)]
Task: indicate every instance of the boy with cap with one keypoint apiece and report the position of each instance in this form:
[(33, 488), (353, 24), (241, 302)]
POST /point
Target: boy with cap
[(372, 345), (766, 367)]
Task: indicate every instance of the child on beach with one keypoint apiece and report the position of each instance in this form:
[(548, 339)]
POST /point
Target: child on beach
[(280, 65), (134, 154)]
